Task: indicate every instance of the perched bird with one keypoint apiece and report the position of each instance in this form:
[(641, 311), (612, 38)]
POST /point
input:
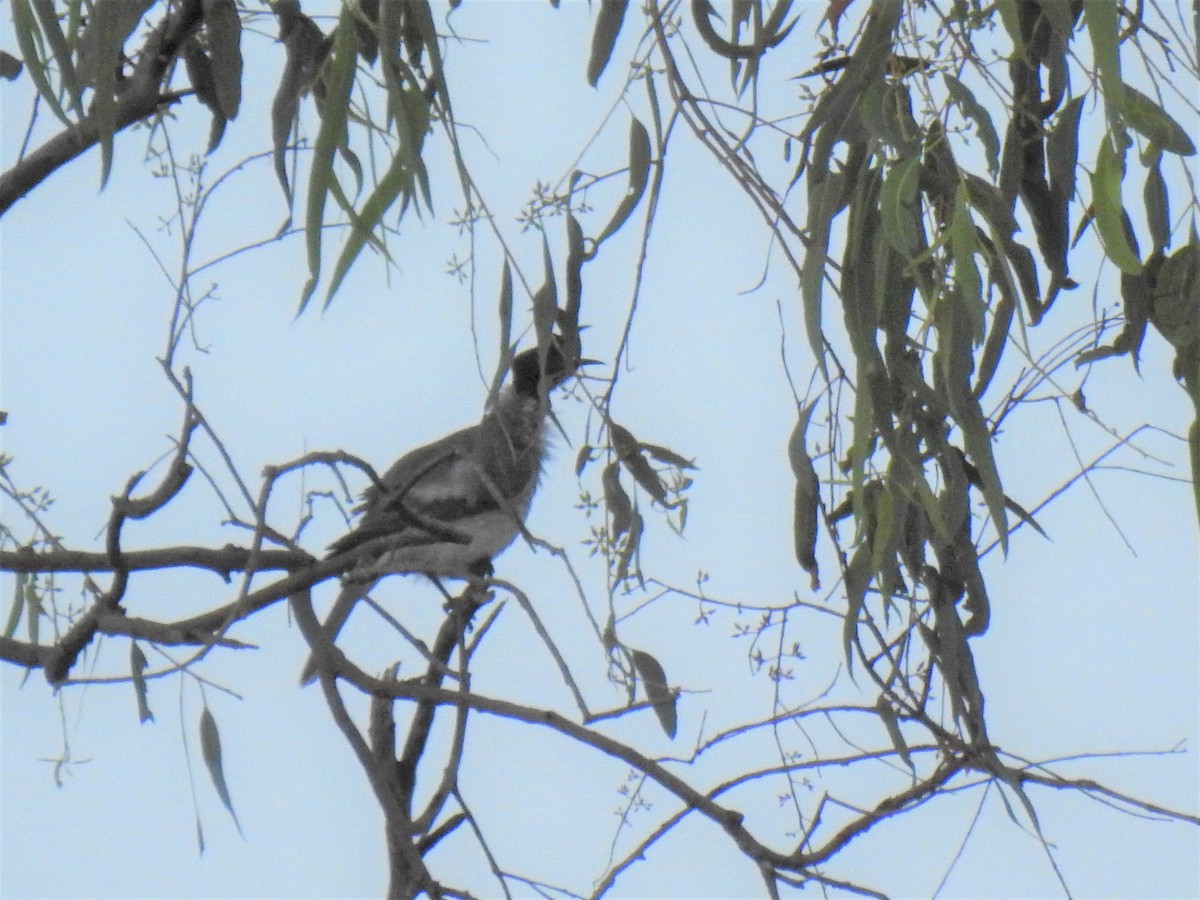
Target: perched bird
[(447, 509)]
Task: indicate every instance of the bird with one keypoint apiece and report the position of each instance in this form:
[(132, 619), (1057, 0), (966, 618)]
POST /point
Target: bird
[(450, 507)]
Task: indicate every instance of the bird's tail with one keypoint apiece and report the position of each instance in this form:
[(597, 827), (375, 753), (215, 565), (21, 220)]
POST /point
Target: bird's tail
[(351, 593)]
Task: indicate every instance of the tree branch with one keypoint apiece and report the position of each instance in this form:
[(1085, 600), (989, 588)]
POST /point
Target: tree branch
[(142, 97)]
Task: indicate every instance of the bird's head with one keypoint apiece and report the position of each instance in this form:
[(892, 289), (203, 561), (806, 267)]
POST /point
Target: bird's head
[(548, 366)]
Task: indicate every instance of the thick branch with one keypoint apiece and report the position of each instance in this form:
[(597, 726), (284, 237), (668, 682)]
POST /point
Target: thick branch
[(222, 560)]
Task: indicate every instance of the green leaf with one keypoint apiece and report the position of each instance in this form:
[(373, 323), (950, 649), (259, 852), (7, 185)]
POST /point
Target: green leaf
[(28, 39), (629, 451), (1101, 17), (629, 549), (568, 316), (658, 691), (545, 298), (1062, 149), (997, 335), (1108, 207), (33, 610), (339, 80), (891, 723), (639, 173), (978, 442), (826, 190), (616, 501), (974, 111), (306, 47), (808, 498), (967, 283), (100, 46), (18, 604), (1150, 120), (396, 180), (48, 19), (604, 37), (857, 578), (1158, 206), (896, 199), (1194, 447), (137, 668), (210, 748), (1011, 19), (224, 30), (505, 306)]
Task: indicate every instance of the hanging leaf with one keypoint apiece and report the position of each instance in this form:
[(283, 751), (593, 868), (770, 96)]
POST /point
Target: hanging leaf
[(306, 47), (568, 316), (833, 12), (896, 199), (668, 456), (99, 53), (639, 173), (48, 19), (658, 691), (858, 578), (629, 549), (1062, 150), (199, 72), (616, 501), (604, 37), (891, 723), (33, 610), (1150, 120), (586, 454), (137, 668), (1107, 205), (1101, 16), (339, 80), (545, 298), (1010, 19), (18, 604), (629, 451), (997, 335), (210, 748), (968, 286), (505, 306), (109, 25), (1194, 447), (397, 181), (974, 111), (224, 30), (1158, 206), (808, 498)]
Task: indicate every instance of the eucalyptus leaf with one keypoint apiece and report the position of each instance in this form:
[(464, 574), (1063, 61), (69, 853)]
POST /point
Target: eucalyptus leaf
[(210, 748), (658, 690), (639, 173), (974, 110), (1108, 207), (807, 500), (604, 37)]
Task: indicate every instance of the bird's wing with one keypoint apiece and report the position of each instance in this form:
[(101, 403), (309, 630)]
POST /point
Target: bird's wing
[(440, 482)]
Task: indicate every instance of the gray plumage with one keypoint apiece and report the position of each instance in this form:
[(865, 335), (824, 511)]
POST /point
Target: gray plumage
[(447, 509)]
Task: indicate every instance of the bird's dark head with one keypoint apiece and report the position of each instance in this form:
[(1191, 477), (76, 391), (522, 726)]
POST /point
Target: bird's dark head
[(532, 366)]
